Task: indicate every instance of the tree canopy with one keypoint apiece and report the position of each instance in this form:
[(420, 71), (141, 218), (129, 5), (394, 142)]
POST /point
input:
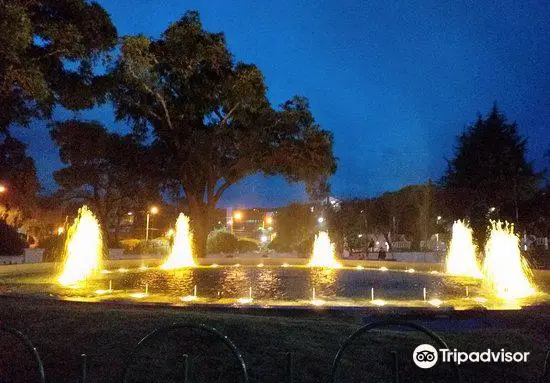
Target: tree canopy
[(114, 174), (40, 41), (489, 170), (211, 121), (18, 176)]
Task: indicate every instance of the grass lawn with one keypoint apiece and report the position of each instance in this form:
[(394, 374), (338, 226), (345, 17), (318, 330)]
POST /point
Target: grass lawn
[(108, 332)]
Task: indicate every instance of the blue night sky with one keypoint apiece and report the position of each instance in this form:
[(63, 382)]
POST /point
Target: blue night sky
[(394, 81)]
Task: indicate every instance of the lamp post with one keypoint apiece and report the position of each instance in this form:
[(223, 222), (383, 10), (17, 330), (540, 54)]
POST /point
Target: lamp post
[(3, 189), (154, 210)]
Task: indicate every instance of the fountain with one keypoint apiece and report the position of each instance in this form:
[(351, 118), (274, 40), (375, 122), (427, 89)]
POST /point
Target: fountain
[(461, 259), (181, 254), (506, 273), (83, 249), (323, 252)]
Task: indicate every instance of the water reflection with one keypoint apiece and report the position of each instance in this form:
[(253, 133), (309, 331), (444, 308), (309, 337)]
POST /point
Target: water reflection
[(267, 285), (323, 280), (235, 282)]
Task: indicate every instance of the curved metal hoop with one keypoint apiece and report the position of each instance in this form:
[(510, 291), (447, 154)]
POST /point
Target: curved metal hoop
[(163, 331), (387, 323), (30, 348)]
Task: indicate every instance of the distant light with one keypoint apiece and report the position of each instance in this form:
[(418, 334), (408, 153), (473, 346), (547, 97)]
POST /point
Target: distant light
[(269, 220), (60, 230), (260, 265), (238, 216), (285, 264), (379, 302), (264, 238), (3, 189), (189, 298), (321, 219), (435, 302), (492, 209), (317, 302), (102, 292), (411, 271), (383, 268), (359, 235), (359, 267), (439, 218), (214, 265), (170, 232), (139, 295), (154, 210), (130, 213), (244, 301)]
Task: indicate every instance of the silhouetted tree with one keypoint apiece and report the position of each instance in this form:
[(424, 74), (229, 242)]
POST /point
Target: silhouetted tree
[(211, 120), (296, 226), (39, 38), (489, 170), (112, 173), (18, 176)]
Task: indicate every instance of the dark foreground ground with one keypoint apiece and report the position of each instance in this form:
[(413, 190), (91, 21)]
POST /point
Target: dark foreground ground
[(62, 331)]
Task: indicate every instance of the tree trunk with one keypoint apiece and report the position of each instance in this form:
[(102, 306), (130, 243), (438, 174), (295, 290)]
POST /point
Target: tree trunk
[(200, 214)]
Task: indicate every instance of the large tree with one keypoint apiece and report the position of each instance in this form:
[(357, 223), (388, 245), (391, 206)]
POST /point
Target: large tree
[(47, 52), (489, 175), (18, 177), (211, 119), (112, 173)]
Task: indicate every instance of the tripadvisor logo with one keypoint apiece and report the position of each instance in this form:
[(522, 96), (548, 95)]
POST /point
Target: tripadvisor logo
[(426, 356)]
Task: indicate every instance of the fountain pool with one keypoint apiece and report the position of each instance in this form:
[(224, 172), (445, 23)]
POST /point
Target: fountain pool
[(274, 286)]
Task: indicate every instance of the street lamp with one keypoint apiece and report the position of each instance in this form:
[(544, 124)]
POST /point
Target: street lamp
[(238, 216), (154, 210), (3, 189), (321, 219)]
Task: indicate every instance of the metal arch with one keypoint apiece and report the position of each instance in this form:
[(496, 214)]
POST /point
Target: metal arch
[(387, 323), (162, 331), (29, 347), (545, 368)]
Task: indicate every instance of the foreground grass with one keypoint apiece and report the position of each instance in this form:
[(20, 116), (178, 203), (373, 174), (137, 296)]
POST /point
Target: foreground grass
[(107, 333)]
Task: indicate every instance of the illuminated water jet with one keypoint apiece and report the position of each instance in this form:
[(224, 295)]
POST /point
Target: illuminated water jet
[(248, 300), (314, 300), (141, 295), (83, 249), (461, 258), (506, 273), (191, 298), (181, 254), (323, 252)]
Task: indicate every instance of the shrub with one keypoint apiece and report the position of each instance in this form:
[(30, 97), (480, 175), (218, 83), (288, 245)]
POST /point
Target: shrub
[(129, 245), (245, 245), (10, 241), (220, 241), (155, 246)]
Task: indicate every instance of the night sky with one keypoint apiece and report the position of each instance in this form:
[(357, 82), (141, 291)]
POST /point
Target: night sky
[(395, 81)]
